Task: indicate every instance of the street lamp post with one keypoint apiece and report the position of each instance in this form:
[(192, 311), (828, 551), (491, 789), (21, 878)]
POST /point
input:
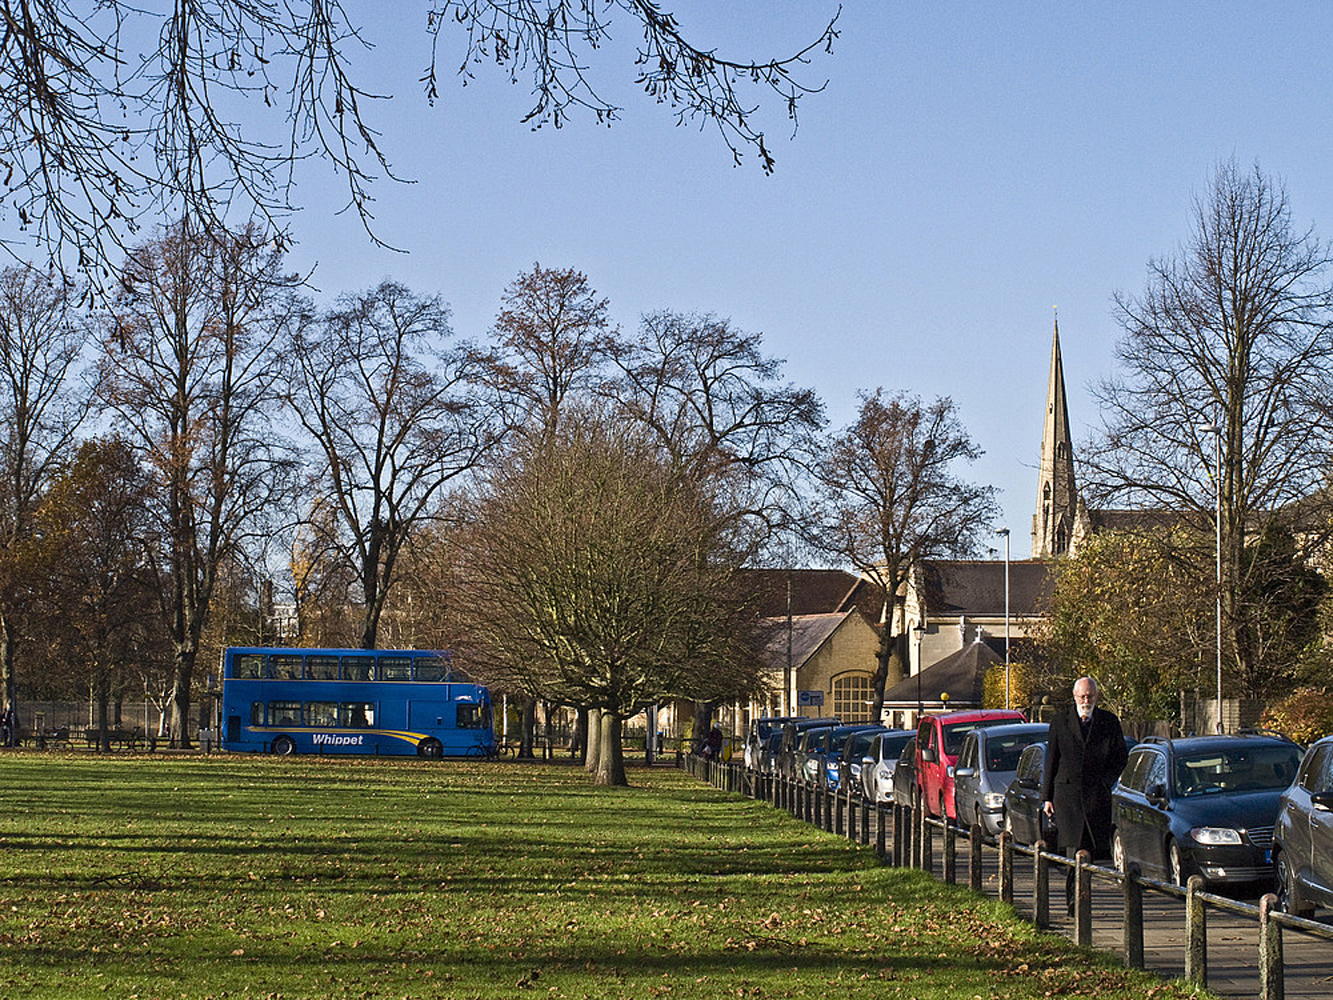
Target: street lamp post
[(1004, 532), (1216, 432), (920, 630)]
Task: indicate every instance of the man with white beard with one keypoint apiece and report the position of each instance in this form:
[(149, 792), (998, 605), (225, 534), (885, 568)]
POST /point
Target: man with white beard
[(1085, 754)]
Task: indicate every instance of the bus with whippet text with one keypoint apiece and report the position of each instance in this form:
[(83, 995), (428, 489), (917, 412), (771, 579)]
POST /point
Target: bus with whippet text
[(352, 701)]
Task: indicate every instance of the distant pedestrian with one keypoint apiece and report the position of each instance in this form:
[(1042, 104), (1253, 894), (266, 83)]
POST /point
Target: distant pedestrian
[(1085, 754), (713, 745), (8, 733)]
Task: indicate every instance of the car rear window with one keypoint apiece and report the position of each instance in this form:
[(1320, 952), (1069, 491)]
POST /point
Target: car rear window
[(1236, 769), (1002, 753), (893, 746), (956, 732)]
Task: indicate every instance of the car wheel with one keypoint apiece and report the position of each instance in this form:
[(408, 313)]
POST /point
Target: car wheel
[(1176, 863), (1288, 890), (284, 746), (431, 748), (1118, 853)]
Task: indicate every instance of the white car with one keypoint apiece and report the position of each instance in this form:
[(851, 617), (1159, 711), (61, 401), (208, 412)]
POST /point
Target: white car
[(878, 763)]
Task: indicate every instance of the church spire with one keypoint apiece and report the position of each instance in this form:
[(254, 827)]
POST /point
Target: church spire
[(1057, 494)]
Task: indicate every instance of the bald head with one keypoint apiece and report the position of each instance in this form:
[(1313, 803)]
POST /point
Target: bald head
[(1085, 697)]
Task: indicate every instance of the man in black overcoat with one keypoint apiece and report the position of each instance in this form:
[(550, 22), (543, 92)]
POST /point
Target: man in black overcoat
[(1085, 753)]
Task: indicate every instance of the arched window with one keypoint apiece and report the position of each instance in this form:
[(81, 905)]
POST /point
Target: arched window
[(851, 697)]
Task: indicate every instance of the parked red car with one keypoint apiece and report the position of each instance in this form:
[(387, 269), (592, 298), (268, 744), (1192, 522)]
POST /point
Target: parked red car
[(938, 740)]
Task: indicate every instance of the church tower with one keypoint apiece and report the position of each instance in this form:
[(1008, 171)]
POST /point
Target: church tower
[(1057, 495)]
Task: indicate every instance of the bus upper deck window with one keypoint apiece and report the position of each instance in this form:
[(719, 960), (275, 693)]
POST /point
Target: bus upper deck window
[(395, 668), (248, 665), (285, 666), (321, 668), (358, 668), (432, 668)]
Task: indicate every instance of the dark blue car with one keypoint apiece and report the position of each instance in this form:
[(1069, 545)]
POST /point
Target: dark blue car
[(1202, 806)]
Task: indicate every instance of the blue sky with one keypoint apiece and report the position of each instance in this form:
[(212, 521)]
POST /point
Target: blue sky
[(968, 167)]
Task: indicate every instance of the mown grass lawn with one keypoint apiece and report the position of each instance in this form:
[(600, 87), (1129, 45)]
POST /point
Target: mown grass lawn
[(227, 876)]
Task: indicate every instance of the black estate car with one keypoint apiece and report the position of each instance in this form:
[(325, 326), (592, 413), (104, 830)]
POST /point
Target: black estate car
[(1204, 805), (1303, 844)]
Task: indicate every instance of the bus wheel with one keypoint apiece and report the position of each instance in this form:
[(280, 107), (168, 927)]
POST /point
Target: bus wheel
[(284, 746), (430, 748)]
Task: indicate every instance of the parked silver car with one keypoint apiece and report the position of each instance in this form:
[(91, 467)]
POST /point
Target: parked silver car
[(986, 765), (1303, 840)]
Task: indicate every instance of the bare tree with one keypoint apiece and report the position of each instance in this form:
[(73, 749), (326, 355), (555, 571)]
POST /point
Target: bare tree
[(94, 520), (393, 414), (42, 337), (552, 338), (190, 368), (554, 43), (1232, 332), (596, 576), (890, 500), (717, 406), (118, 112)]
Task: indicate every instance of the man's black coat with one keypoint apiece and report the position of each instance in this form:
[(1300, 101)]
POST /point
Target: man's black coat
[(1079, 774)]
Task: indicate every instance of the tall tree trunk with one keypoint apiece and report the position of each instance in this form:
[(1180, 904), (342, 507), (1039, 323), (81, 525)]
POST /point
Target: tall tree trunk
[(594, 751), (528, 732), (180, 697), (578, 745), (8, 681), (703, 722), (611, 761), (103, 698)]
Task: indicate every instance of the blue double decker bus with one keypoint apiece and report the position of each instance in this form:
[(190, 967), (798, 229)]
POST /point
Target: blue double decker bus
[(353, 701)]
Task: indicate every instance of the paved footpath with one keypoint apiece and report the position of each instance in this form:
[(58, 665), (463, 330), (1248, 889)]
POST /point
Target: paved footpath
[(1233, 940)]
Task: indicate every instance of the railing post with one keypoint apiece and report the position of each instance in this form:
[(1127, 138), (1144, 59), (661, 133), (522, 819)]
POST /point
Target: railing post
[(836, 825), (880, 843), (863, 825), (1041, 886), (1196, 933), (927, 841), (950, 853), (1272, 985), (1006, 867), (914, 834), (1133, 918), (974, 859), (1082, 900), (902, 844), (851, 812)]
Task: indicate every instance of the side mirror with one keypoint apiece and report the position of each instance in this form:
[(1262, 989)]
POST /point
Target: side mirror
[(868, 762), (929, 756), (1156, 794), (1323, 801), (964, 772)]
